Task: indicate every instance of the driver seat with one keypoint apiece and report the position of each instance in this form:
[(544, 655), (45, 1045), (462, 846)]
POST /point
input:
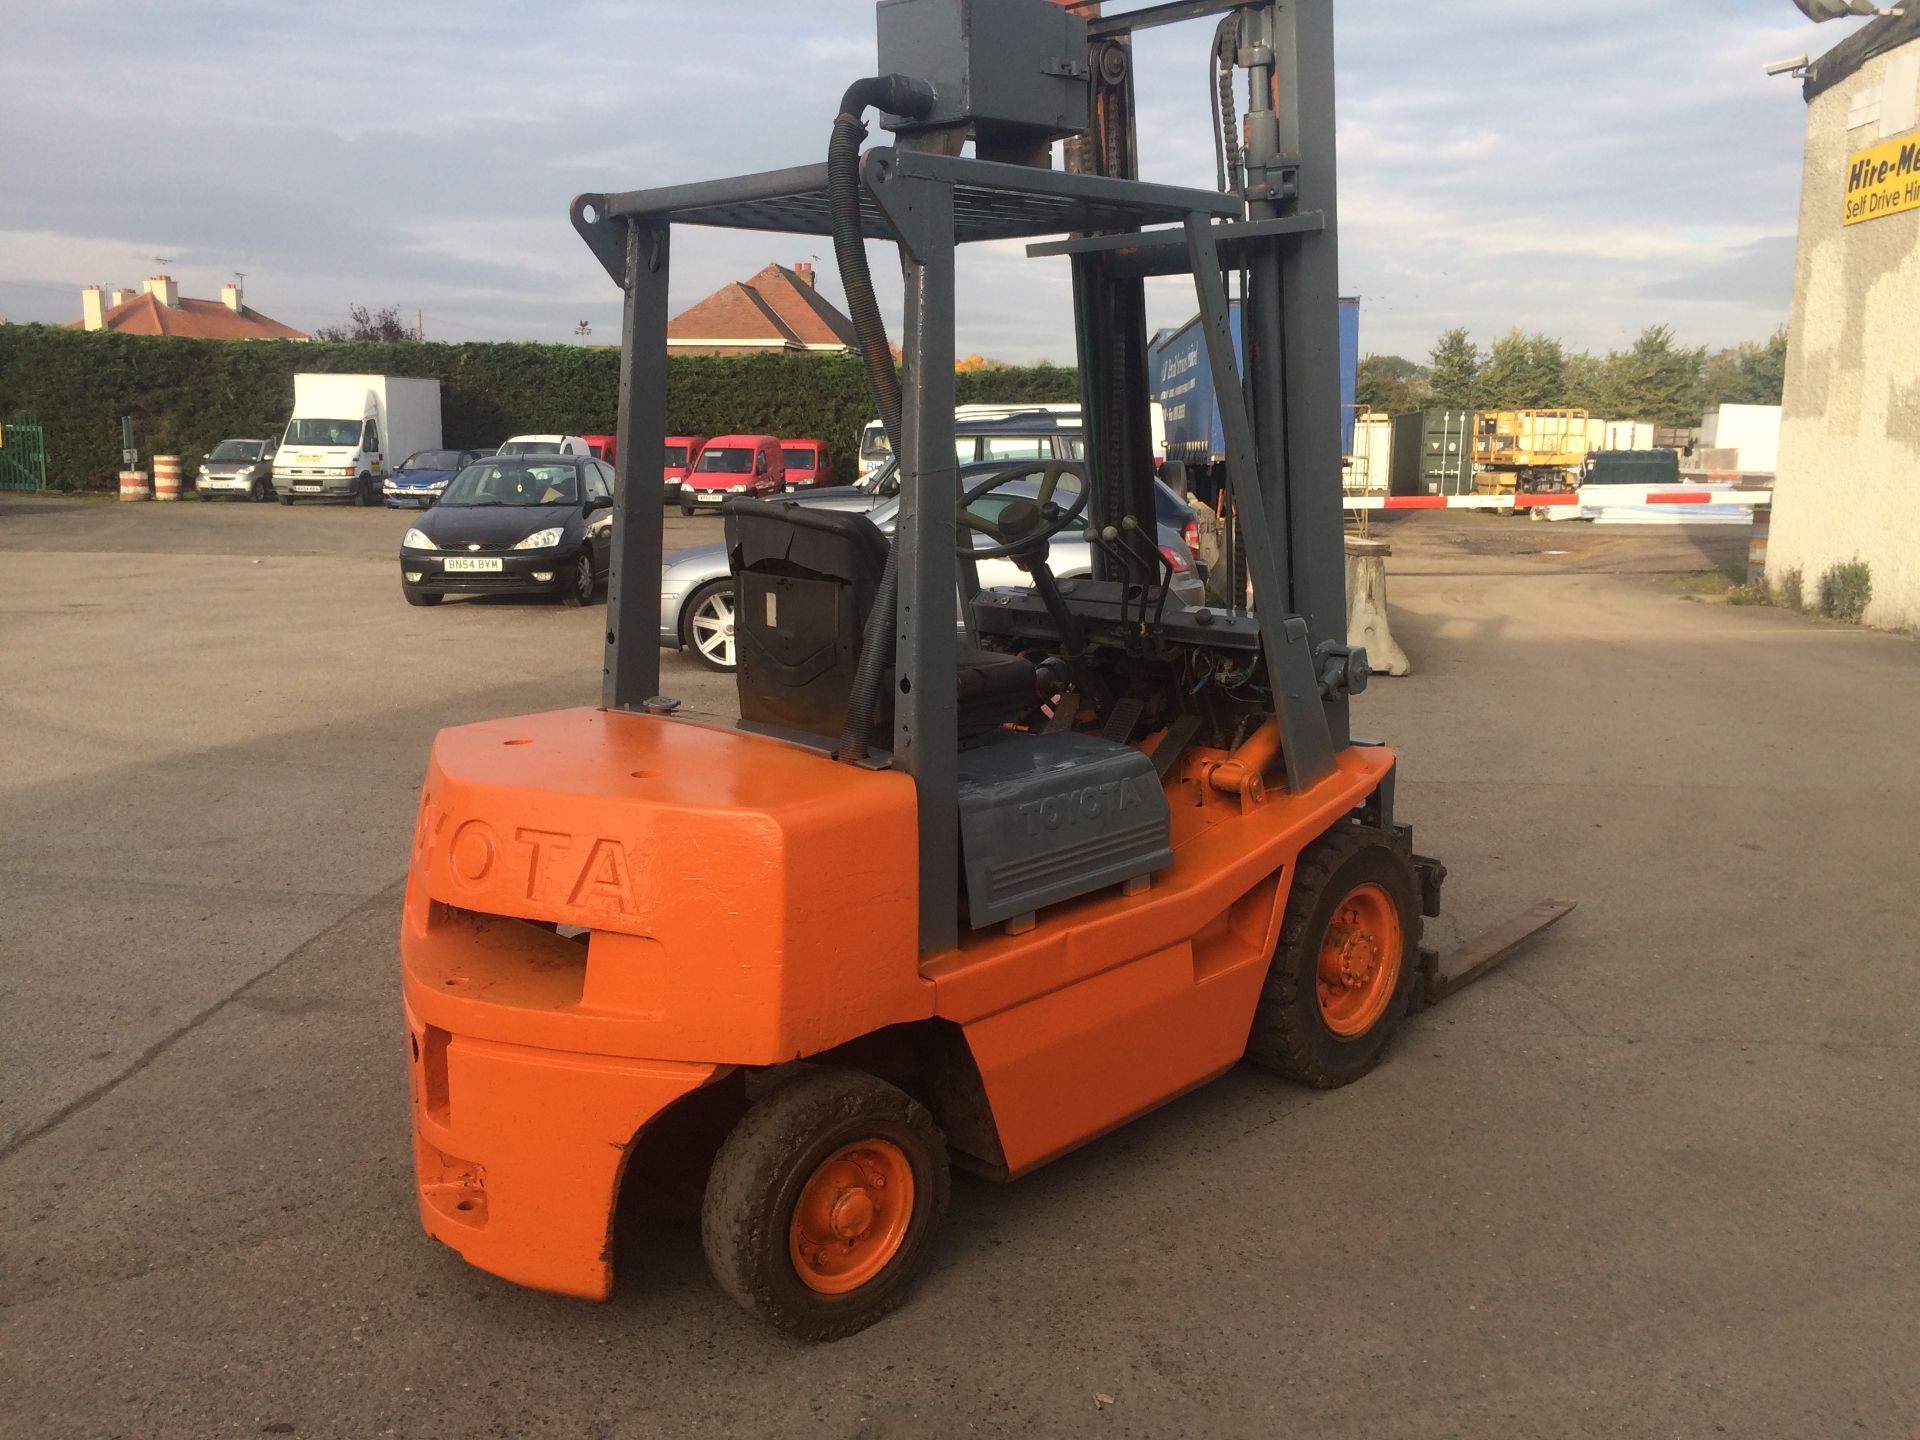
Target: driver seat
[(804, 584)]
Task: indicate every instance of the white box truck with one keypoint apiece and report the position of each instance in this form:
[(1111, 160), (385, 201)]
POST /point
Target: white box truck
[(347, 431)]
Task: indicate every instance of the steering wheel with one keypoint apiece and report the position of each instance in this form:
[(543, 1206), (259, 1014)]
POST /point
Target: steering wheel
[(1022, 526)]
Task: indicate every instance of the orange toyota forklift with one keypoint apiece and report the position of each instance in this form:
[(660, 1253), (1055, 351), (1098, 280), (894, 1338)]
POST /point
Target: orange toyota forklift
[(968, 890)]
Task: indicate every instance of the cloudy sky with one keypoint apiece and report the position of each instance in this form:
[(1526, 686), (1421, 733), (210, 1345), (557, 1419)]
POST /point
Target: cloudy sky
[(1580, 168)]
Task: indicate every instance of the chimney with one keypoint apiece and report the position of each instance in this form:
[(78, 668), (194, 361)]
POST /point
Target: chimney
[(804, 269), (162, 288), (90, 316), (230, 297), (119, 296)]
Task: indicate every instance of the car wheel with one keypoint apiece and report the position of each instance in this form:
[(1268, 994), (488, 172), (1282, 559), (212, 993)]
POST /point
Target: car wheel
[(686, 509), (417, 597), (706, 626), (260, 492), (580, 592), (369, 491), (287, 499)]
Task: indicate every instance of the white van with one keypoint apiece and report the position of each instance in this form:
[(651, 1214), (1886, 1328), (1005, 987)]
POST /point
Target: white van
[(344, 429), (547, 445)]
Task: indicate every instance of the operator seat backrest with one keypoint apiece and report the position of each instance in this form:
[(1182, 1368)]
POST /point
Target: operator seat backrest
[(804, 584)]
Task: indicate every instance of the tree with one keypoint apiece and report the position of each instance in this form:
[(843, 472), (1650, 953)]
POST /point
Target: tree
[(1453, 370), (1748, 374), (1523, 370), (1656, 380), (362, 324), (1391, 383)]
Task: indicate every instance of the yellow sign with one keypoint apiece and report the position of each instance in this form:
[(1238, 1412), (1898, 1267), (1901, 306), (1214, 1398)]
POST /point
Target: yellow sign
[(1884, 180)]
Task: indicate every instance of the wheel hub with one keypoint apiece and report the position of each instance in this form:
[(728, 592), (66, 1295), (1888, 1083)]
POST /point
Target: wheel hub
[(1358, 966), (851, 1217)]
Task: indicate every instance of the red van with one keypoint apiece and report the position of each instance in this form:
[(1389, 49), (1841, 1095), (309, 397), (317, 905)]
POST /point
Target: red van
[(682, 451), (733, 465), (602, 446), (807, 462)]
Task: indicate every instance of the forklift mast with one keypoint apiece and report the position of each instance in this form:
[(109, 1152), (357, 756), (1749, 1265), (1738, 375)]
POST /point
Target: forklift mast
[(1013, 76)]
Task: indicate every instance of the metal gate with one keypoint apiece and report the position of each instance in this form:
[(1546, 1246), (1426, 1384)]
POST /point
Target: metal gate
[(23, 455)]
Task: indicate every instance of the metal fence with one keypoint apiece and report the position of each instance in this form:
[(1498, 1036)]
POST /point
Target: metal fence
[(23, 455)]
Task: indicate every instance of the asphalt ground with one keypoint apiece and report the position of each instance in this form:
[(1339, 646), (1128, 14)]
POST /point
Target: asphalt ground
[(1656, 1177)]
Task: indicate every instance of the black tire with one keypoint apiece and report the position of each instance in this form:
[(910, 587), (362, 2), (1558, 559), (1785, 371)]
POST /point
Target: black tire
[(686, 510), (581, 590), (716, 652), (1291, 1033), (369, 492), (287, 499), (417, 597), (763, 1168), (260, 493)]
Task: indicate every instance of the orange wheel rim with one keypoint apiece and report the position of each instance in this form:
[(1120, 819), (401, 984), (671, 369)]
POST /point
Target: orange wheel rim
[(1359, 961), (851, 1217)]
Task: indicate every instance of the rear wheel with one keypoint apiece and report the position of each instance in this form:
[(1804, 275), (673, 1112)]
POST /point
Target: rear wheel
[(707, 623), (1346, 964), (822, 1204)]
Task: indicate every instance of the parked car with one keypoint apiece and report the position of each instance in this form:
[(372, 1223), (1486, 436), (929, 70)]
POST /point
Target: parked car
[(237, 467), (424, 474), (523, 524), (733, 465), (682, 451), (547, 445), (1034, 434), (602, 447), (696, 587), (808, 463)]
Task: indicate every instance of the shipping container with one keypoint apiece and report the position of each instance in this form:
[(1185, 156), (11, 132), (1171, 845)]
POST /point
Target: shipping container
[(1432, 453), (1369, 468)]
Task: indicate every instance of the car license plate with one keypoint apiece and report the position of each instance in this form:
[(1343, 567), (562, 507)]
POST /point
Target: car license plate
[(308, 488), (472, 564), (307, 459)]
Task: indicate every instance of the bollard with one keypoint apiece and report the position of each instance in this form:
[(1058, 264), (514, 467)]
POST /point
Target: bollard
[(166, 477), (1757, 545), (1367, 606), (133, 485)]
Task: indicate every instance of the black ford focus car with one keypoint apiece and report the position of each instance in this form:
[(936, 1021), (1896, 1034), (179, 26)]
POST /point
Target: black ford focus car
[(520, 524)]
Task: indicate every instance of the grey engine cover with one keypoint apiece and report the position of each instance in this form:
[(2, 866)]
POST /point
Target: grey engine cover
[(1044, 818)]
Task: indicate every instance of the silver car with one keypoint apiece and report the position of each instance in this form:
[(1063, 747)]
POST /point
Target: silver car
[(696, 587), (242, 468)]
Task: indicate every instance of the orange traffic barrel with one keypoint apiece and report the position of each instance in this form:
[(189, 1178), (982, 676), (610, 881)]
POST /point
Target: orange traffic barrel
[(133, 485), (166, 477)]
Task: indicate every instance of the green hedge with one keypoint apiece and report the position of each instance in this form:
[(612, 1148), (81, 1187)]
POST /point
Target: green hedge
[(185, 395)]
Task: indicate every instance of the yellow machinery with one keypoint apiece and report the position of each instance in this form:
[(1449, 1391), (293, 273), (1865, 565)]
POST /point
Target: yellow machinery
[(1530, 450)]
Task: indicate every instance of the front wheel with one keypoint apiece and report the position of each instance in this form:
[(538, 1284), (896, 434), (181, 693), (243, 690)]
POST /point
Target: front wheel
[(287, 499), (260, 492), (580, 589), (369, 491), (1346, 963), (822, 1204), (418, 597), (707, 624)]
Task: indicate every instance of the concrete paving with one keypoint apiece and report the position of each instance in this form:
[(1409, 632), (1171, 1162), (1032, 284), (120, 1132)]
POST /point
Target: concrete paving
[(1657, 1177)]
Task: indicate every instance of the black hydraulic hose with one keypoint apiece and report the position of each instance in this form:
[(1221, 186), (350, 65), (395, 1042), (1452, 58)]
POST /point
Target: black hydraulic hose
[(898, 95)]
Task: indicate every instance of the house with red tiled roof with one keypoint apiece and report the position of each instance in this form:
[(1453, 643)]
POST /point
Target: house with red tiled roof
[(161, 309), (778, 309)]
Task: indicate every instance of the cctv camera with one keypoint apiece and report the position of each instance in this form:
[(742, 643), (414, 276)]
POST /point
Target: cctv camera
[(1818, 10), (1788, 67)]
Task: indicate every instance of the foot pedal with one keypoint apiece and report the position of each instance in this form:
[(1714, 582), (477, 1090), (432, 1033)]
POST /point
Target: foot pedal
[(1173, 744), (1121, 720)]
